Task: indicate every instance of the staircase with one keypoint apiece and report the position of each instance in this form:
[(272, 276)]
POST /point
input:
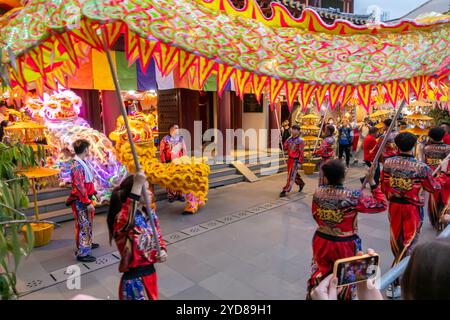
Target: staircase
[(51, 202)]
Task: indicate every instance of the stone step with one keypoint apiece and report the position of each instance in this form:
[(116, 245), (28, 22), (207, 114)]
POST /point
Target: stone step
[(47, 205), (67, 214)]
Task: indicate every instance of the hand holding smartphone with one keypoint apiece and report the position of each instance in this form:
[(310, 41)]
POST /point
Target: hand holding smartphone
[(356, 269)]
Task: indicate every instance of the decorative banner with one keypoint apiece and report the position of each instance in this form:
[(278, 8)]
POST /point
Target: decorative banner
[(61, 78), (50, 82), (364, 93), (416, 85), (86, 33), (404, 89), (392, 91), (126, 75), (193, 77), (275, 88), (306, 91), (112, 32), (167, 56), (205, 66), (241, 80), (146, 79), (101, 74), (291, 93), (65, 41), (145, 49), (186, 60), (37, 59), (347, 94), (334, 93), (83, 78), (425, 87), (40, 87), (320, 95), (223, 76), (259, 82), (131, 46)]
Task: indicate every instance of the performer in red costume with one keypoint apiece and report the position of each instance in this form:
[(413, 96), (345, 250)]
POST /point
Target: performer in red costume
[(294, 146), (172, 147), (446, 127), (402, 180), (390, 149), (129, 225), (434, 152), (81, 200), (335, 209), (326, 150)]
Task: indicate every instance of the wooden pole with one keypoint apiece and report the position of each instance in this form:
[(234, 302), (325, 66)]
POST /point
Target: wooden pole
[(130, 139), (279, 133), (383, 143)]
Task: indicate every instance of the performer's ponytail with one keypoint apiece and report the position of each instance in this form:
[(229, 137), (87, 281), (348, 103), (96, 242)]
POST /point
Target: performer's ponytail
[(119, 196)]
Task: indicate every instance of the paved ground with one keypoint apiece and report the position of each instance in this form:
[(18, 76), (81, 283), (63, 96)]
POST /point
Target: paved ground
[(264, 256)]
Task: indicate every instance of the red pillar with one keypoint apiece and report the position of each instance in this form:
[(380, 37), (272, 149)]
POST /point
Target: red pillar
[(223, 123)]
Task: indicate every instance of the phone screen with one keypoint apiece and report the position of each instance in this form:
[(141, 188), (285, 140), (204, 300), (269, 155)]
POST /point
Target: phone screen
[(356, 270)]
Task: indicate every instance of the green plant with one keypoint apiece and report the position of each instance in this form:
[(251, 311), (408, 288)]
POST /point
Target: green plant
[(13, 198), (440, 115)]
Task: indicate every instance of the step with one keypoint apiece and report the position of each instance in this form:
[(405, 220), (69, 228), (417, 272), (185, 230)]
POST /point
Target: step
[(67, 214), (47, 205), (226, 180), (50, 193), (222, 172)]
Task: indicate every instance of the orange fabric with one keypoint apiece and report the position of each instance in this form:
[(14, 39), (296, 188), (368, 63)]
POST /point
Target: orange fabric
[(83, 79)]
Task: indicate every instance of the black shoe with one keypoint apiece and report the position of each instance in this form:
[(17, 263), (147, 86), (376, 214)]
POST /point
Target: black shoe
[(182, 199), (87, 259), (283, 194), (186, 213), (171, 200), (95, 245)]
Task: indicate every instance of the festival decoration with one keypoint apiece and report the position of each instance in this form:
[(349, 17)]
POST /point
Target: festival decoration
[(187, 175), (300, 50), (59, 112)]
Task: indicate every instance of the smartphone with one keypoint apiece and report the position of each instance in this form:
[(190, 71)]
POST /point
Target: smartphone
[(356, 269)]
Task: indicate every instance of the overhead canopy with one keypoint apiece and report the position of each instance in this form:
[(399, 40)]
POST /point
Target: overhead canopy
[(299, 56)]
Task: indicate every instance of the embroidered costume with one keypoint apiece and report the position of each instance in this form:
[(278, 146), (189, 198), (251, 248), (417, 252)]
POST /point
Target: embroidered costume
[(390, 149), (335, 209), (402, 180), (173, 148), (434, 153), (326, 152), (136, 243), (294, 147), (81, 196)]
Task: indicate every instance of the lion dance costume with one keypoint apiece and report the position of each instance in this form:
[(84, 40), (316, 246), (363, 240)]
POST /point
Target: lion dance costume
[(434, 153), (335, 209), (402, 179), (183, 175)]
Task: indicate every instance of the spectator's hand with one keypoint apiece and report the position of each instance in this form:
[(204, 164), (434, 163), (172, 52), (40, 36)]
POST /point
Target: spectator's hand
[(367, 290), (445, 218), (139, 182), (90, 208), (162, 257), (327, 289)]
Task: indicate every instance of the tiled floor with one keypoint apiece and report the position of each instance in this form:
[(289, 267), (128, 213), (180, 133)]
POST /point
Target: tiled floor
[(263, 256)]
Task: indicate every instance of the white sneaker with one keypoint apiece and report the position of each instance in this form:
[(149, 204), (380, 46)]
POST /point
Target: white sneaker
[(393, 292)]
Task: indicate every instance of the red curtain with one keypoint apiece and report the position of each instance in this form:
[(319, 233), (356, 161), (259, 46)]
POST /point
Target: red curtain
[(111, 111), (91, 108)]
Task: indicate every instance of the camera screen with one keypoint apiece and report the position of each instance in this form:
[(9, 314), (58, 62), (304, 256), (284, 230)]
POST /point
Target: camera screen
[(357, 270)]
